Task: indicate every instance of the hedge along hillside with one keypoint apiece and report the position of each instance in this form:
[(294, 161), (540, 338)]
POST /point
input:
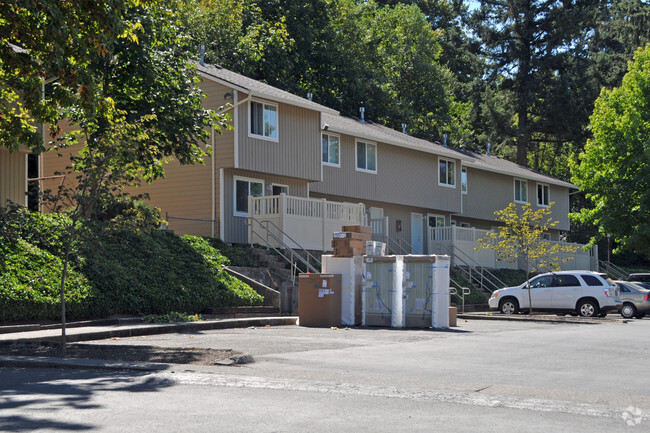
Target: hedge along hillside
[(111, 271), (159, 272), (30, 281)]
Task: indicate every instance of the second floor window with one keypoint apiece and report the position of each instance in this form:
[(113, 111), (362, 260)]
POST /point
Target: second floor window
[(366, 156), (331, 149), (264, 120), (543, 195), (521, 191), (447, 173)]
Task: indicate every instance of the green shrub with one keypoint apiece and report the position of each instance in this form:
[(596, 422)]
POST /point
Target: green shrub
[(171, 317), (159, 272), (30, 286), (113, 269), (236, 254)]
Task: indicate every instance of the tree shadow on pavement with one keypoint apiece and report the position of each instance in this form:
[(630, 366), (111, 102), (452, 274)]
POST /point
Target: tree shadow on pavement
[(28, 396)]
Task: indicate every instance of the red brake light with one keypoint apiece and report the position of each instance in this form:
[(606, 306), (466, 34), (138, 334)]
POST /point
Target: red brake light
[(647, 297)]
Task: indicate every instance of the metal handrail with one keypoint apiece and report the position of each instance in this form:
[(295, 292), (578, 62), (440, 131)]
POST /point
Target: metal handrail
[(476, 265), (483, 271), (311, 268), (309, 255), (618, 273)]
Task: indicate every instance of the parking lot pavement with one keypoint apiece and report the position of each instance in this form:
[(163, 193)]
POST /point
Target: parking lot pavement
[(482, 376)]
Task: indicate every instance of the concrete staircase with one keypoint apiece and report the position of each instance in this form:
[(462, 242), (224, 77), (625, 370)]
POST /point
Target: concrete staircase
[(272, 271)]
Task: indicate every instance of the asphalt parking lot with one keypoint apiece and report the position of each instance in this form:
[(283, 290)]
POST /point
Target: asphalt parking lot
[(484, 375)]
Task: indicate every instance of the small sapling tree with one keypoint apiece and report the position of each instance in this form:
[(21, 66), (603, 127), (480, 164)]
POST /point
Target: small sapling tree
[(521, 238)]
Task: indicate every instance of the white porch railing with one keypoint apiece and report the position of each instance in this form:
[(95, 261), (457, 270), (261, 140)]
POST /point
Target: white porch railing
[(310, 222), (463, 242)]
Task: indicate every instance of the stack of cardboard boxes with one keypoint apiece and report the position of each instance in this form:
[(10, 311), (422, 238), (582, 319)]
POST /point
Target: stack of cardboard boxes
[(351, 241)]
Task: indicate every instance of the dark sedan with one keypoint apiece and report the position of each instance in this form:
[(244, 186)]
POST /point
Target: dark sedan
[(635, 299)]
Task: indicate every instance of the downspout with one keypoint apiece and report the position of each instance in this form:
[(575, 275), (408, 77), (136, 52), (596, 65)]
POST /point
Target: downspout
[(214, 187), (225, 110)]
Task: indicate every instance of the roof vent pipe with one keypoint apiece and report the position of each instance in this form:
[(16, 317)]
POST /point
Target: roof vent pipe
[(202, 62), (362, 110), (488, 147), (444, 140), (309, 95), (403, 128)]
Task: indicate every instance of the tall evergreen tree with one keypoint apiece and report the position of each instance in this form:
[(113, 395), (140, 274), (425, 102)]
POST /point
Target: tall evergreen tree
[(530, 47)]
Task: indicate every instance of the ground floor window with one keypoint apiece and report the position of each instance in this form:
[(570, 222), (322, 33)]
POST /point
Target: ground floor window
[(243, 189)]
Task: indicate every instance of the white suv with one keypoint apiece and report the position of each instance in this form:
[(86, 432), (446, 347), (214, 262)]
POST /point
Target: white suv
[(585, 293)]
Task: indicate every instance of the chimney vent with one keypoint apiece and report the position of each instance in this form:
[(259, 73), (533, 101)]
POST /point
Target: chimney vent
[(362, 110), (488, 149), (309, 95), (403, 128), (444, 140)]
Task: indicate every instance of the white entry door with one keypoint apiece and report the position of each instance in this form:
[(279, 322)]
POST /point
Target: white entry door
[(416, 233)]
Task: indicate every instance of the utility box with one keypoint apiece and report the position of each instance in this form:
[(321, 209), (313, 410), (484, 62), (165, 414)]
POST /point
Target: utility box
[(319, 300), (350, 269), (382, 291), (425, 286)]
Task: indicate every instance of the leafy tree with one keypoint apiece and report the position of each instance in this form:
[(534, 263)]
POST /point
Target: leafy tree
[(235, 34), (520, 239), (43, 40), (613, 169)]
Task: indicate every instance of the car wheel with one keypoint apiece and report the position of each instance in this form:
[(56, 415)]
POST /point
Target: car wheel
[(509, 306), (628, 311), (588, 308)]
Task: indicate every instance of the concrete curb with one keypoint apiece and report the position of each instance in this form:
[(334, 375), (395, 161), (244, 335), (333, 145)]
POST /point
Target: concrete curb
[(152, 329), (541, 319)]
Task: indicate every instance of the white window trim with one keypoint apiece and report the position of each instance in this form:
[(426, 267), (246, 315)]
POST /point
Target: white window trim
[(514, 190), (234, 190), (331, 164), (263, 137), (464, 169), (281, 185), (447, 160), (436, 215), (537, 195), (365, 170)]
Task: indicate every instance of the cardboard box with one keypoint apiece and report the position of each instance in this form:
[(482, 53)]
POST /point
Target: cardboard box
[(348, 243), (319, 300), (352, 235), (357, 229), (453, 316), (348, 252)]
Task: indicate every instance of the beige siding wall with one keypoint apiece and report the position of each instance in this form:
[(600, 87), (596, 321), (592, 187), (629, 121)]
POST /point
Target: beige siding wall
[(224, 151), (295, 154), (488, 192), (13, 177), (236, 229), (186, 192), (404, 176)]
